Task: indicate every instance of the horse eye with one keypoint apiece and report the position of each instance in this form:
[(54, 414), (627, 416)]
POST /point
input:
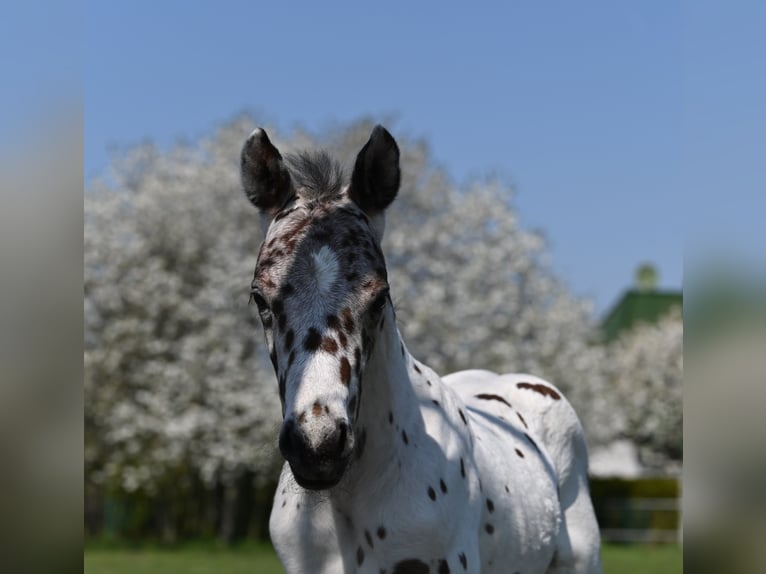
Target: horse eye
[(379, 303)]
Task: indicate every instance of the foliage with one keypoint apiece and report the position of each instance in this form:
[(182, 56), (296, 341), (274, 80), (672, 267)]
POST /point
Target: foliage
[(177, 381), (645, 370)]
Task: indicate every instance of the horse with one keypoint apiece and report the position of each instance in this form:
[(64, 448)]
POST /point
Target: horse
[(390, 468)]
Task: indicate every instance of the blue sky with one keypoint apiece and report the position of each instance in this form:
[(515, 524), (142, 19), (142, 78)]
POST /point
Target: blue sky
[(610, 118)]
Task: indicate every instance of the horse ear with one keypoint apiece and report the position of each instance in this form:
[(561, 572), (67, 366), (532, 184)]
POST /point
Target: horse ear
[(265, 178), (376, 176)]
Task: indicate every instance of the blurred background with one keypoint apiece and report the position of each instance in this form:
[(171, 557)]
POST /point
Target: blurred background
[(557, 160)]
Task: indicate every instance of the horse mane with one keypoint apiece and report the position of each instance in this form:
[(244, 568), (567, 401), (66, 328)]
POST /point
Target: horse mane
[(315, 174)]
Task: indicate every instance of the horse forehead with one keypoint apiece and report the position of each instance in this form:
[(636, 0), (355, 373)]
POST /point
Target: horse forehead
[(326, 244)]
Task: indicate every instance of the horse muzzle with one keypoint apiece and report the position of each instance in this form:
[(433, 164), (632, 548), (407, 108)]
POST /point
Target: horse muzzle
[(320, 465)]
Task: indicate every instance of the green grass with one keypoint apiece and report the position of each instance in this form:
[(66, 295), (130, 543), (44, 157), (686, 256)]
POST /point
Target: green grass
[(260, 559)]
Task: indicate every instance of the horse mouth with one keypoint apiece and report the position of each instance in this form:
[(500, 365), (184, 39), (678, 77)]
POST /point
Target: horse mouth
[(315, 484), (319, 481)]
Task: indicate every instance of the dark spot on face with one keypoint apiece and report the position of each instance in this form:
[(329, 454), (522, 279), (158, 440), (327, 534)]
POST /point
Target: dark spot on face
[(431, 493), (359, 556), (490, 397), (411, 566), (342, 338), (390, 418), (381, 532), (442, 486), (312, 340), (521, 418), (404, 437), (518, 452), (348, 320), (489, 528), (287, 290), (345, 371), (463, 560), (462, 416), (401, 347), (506, 489), (428, 382), (289, 340), (333, 322), (542, 389), (462, 468), (490, 505), (302, 417), (368, 537), (434, 401), (443, 567), (417, 369), (329, 345)]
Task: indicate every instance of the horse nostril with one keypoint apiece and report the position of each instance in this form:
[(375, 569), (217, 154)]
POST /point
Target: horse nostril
[(289, 439), (342, 436)]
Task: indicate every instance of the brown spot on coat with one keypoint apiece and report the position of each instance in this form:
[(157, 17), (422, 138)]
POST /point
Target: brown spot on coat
[(329, 345), (431, 493), (359, 556), (462, 416), (489, 528), (521, 418), (442, 486), (463, 560), (443, 567), (490, 397), (368, 537), (542, 389), (316, 410), (490, 505), (381, 532), (404, 437), (521, 454), (345, 371)]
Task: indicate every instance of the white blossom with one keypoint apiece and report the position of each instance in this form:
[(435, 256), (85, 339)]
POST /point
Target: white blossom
[(177, 377)]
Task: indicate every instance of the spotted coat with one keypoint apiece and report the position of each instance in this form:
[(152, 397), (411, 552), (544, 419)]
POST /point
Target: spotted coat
[(389, 467)]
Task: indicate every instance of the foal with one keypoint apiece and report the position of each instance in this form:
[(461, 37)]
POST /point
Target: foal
[(390, 468)]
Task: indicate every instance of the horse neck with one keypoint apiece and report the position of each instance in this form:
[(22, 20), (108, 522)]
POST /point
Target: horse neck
[(388, 404)]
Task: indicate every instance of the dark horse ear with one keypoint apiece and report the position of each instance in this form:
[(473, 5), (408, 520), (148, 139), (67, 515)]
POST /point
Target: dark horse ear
[(376, 177), (265, 178)]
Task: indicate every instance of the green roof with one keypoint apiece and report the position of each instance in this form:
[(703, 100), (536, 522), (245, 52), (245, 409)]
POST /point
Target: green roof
[(638, 306)]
